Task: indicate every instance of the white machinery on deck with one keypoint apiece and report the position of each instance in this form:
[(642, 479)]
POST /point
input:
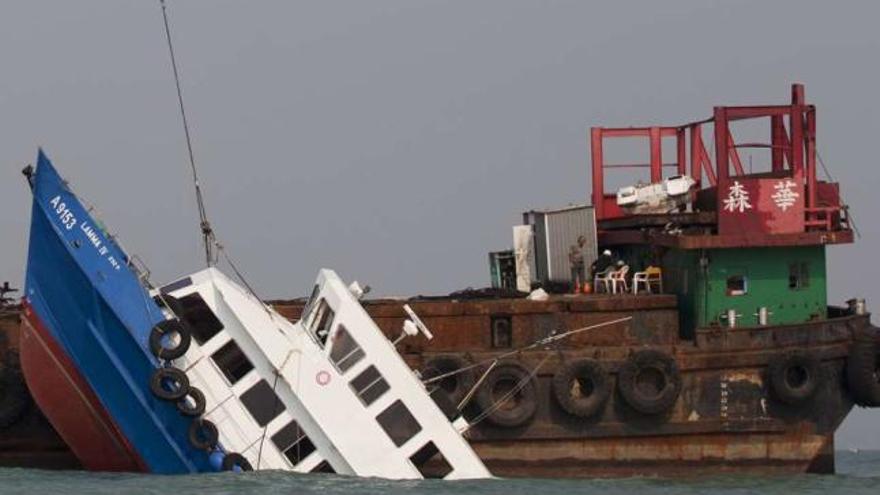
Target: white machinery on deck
[(660, 197)]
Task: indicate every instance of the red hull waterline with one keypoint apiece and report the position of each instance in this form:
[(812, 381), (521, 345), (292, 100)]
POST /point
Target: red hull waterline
[(69, 403)]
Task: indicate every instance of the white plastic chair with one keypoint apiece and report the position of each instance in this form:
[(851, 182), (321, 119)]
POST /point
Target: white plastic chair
[(619, 277), (651, 276), (603, 279)]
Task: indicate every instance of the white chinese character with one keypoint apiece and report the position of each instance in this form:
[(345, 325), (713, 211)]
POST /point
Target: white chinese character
[(737, 199), (784, 197)]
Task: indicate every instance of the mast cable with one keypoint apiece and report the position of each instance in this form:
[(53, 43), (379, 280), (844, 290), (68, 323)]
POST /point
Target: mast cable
[(207, 232)]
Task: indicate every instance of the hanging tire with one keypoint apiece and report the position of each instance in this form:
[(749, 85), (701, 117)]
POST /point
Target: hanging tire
[(649, 381), (795, 377), (193, 403), (203, 435), (165, 332), (169, 384), (582, 388), (230, 461), (517, 409), (454, 387), (14, 397), (863, 370)]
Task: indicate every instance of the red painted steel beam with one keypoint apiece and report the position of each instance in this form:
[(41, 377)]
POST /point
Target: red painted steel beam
[(682, 151), (811, 158), (734, 155), (742, 113), (777, 136), (619, 132), (696, 156), (598, 172), (656, 155), (722, 155)]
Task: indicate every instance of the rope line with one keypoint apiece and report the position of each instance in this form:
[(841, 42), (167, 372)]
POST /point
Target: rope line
[(207, 232), (546, 340)]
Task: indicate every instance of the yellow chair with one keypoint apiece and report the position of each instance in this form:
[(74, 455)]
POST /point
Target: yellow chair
[(653, 275)]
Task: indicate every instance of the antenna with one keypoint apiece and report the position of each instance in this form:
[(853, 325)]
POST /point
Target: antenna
[(207, 233)]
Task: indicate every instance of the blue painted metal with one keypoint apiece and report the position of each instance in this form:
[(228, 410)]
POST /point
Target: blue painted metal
[(81, 286)]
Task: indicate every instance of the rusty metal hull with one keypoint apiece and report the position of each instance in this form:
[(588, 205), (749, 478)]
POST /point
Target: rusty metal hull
[(724, 420)]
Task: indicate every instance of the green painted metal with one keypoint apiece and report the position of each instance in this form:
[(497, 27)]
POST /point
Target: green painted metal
[(789, 281)]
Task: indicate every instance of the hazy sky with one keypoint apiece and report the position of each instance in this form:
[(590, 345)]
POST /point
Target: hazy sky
[(398, 141)]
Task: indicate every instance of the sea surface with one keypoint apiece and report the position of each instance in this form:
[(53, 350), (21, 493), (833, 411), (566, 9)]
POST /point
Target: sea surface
[(858, 473)]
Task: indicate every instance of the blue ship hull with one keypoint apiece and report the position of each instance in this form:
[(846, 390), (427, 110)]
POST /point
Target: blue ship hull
[(90, 318)]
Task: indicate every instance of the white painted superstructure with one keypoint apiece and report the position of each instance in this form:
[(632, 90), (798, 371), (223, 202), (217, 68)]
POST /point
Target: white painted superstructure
[(327, 393)]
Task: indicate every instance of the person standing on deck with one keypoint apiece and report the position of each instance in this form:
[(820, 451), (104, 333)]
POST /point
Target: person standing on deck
[(576, 261)]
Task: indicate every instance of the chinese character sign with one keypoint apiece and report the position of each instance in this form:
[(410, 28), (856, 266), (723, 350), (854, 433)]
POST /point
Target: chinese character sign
[(761, 205), (785, 197), (737, 198)]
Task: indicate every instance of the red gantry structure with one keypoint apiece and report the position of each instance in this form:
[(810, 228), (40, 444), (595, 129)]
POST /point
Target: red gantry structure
[(786, 205)]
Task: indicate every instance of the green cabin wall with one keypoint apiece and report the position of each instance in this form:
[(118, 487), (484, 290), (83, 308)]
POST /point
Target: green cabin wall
[(703, 292), (699, 279)]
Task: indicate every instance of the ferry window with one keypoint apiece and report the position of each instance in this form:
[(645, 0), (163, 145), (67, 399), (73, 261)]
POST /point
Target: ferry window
[(179, 284), (345, 352), (398, 423), (232, 362), (261, 401), (798, 276), (309, 304), (324, 467), (322, 322), (430, 462), (202, 321), (293, 443), (369, 385), (502, 332), (737, 285)]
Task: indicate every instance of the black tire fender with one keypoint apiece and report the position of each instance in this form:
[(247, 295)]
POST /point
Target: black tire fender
[(649, 381), (582, 387), (520, 407), (454, 387), (170, 328), (795, 376), (162, 377), (863, 370), (231, 460), (193, 403), (203, 434)]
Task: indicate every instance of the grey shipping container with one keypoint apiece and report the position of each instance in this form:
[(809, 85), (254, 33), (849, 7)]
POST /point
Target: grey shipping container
[(556, 231)]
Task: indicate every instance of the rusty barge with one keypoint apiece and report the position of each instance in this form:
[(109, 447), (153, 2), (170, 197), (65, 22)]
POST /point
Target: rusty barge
[(735, 363)]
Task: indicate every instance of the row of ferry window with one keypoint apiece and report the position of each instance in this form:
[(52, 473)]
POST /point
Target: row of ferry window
[(264, 405)]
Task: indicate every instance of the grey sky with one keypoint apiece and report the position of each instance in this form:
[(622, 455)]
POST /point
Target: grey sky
[(397, 141)]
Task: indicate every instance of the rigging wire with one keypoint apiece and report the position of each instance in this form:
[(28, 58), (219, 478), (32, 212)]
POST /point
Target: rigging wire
[(208, 237)]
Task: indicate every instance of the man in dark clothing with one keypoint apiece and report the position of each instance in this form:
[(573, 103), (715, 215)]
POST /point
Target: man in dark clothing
[(602, 263)]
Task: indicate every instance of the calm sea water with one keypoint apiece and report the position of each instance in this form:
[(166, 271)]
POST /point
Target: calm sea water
[(858, 474)]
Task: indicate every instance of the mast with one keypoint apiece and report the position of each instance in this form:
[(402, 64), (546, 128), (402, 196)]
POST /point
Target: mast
[(208, 237)]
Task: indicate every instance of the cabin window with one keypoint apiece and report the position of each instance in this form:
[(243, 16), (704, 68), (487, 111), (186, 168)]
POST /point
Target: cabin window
[(261, 401), (322, 322), (309, 304), (232, 362), (179, 284), (201, 320), (430, 462), (369, 385), (293, 443), (344, 351), (398, 423), (798, 276), (502, 332), (737, 285), (324, 467)]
